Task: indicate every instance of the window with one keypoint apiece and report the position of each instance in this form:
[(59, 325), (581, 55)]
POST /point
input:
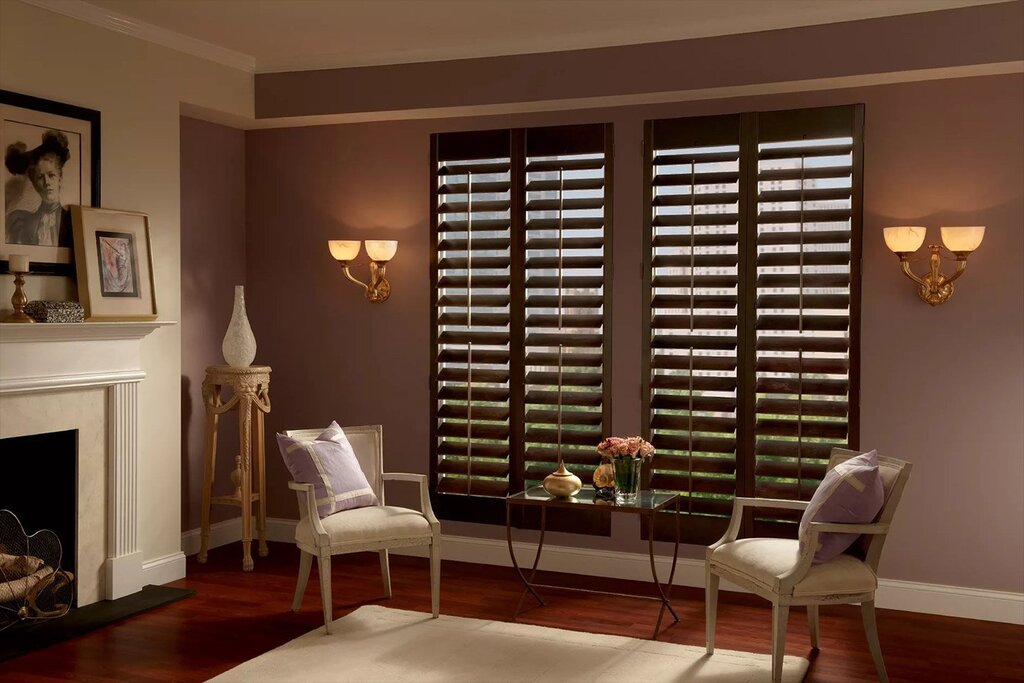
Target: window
[(521, 242), (753, 275)]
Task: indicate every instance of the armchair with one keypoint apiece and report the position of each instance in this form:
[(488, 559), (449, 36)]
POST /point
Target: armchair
[(777, 570), (378, 527)]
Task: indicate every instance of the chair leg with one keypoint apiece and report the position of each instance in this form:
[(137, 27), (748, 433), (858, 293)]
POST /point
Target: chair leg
[(385, 573), (867, 611), (711, 581), (305, 564), (780, 616), (435, 576), (325, 590), (812, 621)]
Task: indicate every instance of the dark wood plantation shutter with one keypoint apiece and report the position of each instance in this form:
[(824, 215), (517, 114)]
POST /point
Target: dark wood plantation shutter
[(808, 276), (567, 312), (471, 383), (753, 244), (692, 336), (521, 228)]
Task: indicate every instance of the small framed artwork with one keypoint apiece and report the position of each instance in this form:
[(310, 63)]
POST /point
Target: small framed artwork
[(114, 262), (51, 162)]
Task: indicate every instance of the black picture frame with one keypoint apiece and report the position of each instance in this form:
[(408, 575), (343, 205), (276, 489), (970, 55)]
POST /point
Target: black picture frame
[(72, 111)]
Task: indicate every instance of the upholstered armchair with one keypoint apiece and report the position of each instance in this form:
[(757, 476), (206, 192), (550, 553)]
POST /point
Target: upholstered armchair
[(378, 527), (778, 571)]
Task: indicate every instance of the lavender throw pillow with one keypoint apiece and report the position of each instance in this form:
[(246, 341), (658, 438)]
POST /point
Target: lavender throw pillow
[(330, 465), (851, 493)]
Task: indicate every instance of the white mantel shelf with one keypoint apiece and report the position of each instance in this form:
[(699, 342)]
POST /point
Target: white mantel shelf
[(50, 356), (44, 332)]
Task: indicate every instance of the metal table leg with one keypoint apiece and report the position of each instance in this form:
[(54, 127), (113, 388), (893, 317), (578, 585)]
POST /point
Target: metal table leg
[(654, 571), (512, 553)]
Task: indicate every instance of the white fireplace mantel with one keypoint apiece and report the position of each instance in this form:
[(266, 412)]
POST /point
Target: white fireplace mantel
[(47, 357)]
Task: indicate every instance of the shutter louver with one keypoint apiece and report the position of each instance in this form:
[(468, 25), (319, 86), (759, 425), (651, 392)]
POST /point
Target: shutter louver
[(807, 279), (472, 380), (565, 299), (693, 333)]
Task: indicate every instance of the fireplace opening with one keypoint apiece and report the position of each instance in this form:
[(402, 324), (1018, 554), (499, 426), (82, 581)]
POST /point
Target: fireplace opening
[(39, 484)]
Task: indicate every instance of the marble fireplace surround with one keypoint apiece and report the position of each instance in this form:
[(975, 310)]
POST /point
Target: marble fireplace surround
[(85, 376)]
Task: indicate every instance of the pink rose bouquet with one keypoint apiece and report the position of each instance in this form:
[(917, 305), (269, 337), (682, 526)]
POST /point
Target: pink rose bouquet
[(617, 447)]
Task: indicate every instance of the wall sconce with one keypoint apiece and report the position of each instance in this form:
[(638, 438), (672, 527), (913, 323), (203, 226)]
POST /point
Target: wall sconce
[(379, 251), (935, 288)]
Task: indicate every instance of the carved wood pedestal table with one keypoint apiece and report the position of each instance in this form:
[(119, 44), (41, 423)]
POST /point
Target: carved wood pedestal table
[(250, 395)]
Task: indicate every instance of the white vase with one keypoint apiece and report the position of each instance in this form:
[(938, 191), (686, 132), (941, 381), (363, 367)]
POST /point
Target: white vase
[(239, 346)]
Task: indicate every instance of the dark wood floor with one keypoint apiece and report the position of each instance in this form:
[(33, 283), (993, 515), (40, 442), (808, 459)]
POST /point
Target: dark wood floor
[(237, 616)]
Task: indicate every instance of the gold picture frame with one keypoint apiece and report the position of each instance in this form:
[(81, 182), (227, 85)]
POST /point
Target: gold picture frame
[(114, 263)]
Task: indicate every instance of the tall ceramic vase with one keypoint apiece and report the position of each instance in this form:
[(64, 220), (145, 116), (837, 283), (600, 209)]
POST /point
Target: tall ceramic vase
[(239, 346)]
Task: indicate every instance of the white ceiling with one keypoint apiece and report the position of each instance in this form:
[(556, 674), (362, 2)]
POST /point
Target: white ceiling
[(283, 35)]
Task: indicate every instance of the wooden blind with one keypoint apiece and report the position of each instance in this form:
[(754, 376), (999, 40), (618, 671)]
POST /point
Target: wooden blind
[(472, 211), (808, 232), (693, 306), (520, 222), (566, 308), (753, 254)]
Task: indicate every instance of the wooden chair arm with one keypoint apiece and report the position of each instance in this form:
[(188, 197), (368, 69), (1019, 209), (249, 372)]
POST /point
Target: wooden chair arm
[(308, 511), (732, 532), (421, 479)]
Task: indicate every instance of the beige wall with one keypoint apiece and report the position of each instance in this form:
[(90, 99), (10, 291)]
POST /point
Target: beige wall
[(942, 387), (138, 87)]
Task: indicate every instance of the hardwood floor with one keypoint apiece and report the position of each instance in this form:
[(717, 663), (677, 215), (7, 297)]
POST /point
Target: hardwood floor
[(237, 616)]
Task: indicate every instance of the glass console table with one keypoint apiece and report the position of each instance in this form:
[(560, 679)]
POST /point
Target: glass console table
[(647, 505)]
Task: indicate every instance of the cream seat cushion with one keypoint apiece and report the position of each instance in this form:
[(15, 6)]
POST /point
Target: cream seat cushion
[(377, 523), (763, 560)]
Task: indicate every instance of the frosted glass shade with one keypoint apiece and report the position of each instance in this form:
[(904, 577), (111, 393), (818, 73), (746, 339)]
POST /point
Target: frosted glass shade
[(381, 251), (904, 238), (344, 250), (964, 238)]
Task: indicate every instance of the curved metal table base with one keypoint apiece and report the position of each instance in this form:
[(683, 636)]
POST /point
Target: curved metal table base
[(530, 586)]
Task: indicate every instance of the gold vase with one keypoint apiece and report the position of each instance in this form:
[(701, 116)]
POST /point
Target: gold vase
[(562, 483)]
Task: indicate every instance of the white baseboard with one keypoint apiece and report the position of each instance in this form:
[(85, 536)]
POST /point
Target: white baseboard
[(163, 569), (909, 596)]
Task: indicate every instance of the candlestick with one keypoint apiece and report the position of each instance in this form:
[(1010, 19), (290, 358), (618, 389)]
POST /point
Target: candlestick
[(17, 263), (18, 300)]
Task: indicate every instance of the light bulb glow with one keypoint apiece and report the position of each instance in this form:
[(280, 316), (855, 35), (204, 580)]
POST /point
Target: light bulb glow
[(965, 238), (344, 250), (904, 238), (381, 251)]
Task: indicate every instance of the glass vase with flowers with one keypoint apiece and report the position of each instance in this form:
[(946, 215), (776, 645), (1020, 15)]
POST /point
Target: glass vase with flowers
[(627, 457)]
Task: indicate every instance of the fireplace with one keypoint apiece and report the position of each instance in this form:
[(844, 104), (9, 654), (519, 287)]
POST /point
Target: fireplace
[(39, 484)]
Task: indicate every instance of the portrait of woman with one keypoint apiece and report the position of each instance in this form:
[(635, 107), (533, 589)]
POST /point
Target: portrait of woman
[(50, 163), (49, 224)]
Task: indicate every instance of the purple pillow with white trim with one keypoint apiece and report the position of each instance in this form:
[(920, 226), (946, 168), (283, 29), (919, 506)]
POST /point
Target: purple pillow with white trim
[(851, 493), (330, 465)]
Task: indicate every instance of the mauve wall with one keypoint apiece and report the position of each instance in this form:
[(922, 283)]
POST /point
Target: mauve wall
[(212, 263), (942, 387)]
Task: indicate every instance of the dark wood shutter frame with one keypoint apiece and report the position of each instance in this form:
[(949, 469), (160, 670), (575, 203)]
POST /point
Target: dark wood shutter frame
[(556, 210), (752, 297)]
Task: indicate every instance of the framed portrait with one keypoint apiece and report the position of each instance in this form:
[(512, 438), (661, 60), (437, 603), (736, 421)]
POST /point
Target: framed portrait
[(114, 264), (51, 162)]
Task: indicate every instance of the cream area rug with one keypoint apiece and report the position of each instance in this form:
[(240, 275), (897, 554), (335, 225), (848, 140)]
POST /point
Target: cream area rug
[(381, 645)]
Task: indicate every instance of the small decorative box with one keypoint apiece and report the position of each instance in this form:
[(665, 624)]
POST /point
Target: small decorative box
[(55, 311)]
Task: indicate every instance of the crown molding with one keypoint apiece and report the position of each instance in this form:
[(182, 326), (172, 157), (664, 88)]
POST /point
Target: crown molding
[(98, 16)]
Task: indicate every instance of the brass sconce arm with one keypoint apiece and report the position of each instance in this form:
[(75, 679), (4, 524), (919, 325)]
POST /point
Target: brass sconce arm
[(348, 274), (935, 287)]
